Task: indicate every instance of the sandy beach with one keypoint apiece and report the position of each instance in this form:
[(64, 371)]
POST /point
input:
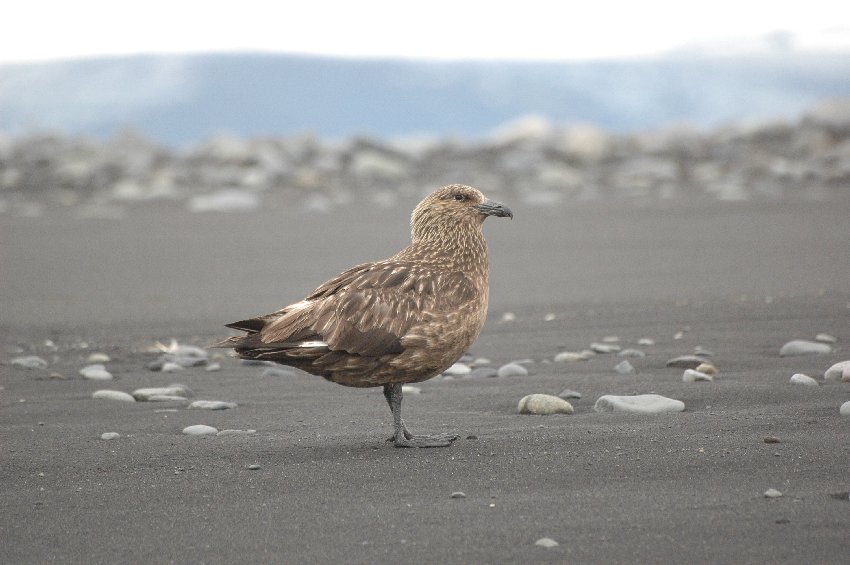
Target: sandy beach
[(739, 279)]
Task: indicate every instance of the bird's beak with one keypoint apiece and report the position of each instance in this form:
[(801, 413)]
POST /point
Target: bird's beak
[(493, 208)]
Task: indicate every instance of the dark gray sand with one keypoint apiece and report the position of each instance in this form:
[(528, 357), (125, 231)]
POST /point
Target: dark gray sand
[(739, 279)]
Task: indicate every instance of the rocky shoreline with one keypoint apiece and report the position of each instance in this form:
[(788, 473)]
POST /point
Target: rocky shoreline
[(530, 161)]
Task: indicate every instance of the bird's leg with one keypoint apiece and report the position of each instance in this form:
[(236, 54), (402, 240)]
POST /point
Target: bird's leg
[(401, 435)]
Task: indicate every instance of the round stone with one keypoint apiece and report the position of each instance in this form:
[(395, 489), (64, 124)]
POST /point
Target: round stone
[(803, 347), (458, 370), (110, 435), (143, 394), (95, 372), (212, 404), (625, 368), (568, 393), (98, 358), (569, 357), (641, 404), (512, 370), (29, 362), (458, 494), (694, 376), (544, 404), (845, 409), (546, 542), (838, 372), (410, 389), (772, 493), (604, 348), (685, 362), (801, 379), (199, 430)]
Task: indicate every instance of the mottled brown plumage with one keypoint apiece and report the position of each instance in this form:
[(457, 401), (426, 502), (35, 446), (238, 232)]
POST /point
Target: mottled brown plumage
[(401, 320)]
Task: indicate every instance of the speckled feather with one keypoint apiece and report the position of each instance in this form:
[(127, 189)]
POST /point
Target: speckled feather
[(401, 320)]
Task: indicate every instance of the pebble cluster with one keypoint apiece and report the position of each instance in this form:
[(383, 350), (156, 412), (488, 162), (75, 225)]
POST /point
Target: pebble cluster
[(529, 161), (697, 368)]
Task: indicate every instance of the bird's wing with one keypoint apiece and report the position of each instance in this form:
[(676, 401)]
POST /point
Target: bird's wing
[(366, 310)]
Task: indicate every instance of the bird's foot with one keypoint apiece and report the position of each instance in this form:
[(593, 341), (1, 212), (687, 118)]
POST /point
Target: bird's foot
[(437, 440)]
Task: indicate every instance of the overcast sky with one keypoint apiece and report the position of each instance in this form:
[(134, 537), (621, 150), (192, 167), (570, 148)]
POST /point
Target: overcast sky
[(33, 30)]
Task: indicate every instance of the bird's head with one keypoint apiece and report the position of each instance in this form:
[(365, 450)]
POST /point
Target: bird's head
[(452, 208)]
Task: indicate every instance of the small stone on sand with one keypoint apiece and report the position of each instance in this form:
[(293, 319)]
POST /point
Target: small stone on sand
[(95, 372), (625, 368), (604, 348), (569, 393), (458, 370), (801, 379), (804, 347), (110, 435), (98, 358), (772, 493), (845, 409), (685, 362), (29, 362), (512, 370), (826, 338), (410, 389), (641, 404), (212, 404), (838, 372), (458, 494), (143, 394), (546, 542), (544, 404), (569, 357), (199, 430), (694, 376)]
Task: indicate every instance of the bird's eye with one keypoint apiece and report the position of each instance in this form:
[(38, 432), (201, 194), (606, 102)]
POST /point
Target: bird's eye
[(460, 197)]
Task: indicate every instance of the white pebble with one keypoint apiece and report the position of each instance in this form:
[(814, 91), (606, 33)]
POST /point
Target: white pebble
[(570, 357), (625, 368), (508, 317), (685, 362), (803, 347), (212, 404), (546, 542), (142, 394), (845, 409), (694, 376), (604, 348), (171, 367), (646, 341), (543, 404), (838, 372), (569, 393), (199, 430), (113, 395), (110, 435), (512, 370), (96, 372), (642, 404), (826, 338), (458, 370), (29, 362), (98, 358), (801, 379), (410, 389), (772, 493), (549, 317), (167, 398), (212, 367)]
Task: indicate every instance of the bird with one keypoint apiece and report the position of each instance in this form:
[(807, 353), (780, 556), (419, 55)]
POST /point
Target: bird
[(404, 319)]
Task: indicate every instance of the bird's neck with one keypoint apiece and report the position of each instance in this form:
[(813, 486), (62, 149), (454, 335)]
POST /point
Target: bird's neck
[(463, 249)]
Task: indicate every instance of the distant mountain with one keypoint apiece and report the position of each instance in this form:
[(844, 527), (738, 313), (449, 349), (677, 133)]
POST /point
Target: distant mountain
[(181, 99)]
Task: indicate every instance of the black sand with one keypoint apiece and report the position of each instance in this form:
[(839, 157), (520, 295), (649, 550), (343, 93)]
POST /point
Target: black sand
[(739, 279)]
